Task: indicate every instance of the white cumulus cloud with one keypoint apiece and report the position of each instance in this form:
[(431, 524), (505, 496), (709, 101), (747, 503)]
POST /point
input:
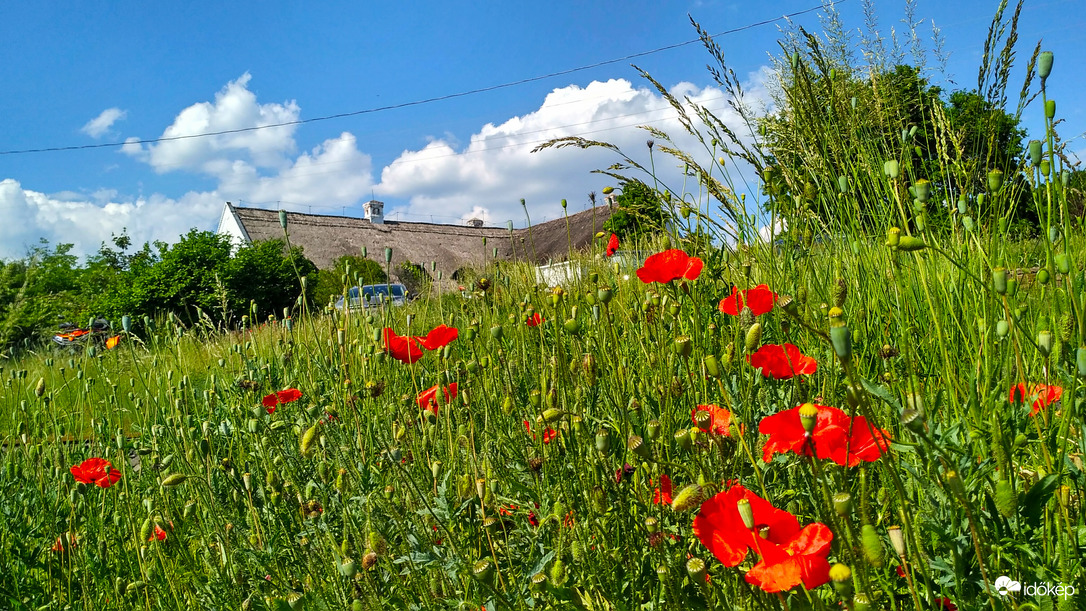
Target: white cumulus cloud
[(99, 126), (496, 168)]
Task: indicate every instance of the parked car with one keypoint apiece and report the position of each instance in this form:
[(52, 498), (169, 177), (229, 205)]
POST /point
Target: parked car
[(372, 295)]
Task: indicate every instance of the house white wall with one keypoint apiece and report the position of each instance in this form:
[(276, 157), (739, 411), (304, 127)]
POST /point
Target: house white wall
[(231, 226)]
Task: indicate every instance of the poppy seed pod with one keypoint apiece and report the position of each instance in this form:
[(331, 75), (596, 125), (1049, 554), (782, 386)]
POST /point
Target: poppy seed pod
[(1080, 361), (603, 441), (893, 237), (682, 437), (712, 367), (842, 504), (638, 446), (922, 190), (890, 168), (695, 568), (283, 219), (913, 419), (1050, 109), (1044, 65), (808, 417), (1035, 152), (1046, 167), (496, 332), (746, 512), (688, 498), (897, 540), (682, 346), (1045, 341), (1006, 499)]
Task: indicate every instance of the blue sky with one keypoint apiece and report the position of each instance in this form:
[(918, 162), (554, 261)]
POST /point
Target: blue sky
[(139, 70)]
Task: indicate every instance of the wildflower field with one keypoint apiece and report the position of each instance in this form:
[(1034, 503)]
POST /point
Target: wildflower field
[(887, 418)]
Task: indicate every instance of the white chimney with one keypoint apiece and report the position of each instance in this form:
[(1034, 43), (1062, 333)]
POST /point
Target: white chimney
[(375, 211), (475, 222)]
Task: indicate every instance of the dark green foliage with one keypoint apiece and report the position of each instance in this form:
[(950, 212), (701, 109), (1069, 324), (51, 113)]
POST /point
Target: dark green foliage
[(640, 212), (195, 279), (415, 278)]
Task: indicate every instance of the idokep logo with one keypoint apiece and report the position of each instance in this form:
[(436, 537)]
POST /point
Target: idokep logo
[(1005, 585)]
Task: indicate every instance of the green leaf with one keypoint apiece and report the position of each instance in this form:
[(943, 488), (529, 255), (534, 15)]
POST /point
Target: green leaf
[(1039, 494)]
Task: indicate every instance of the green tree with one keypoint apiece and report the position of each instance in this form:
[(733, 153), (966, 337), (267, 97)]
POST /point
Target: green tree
[(640, 212), (267, 275)]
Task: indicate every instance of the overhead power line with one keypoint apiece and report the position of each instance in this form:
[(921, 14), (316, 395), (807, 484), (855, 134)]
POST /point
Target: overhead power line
[(420, 102)]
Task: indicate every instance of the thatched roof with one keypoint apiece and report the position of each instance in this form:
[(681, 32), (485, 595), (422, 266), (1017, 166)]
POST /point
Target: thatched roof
[(325, 238)]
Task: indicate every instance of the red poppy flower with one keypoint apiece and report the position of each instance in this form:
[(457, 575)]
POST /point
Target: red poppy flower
[(439, 337), (945, 603), (283, 396), (427, 399), (844, 440), (663, 267), (159, 534), (69, 538), (403, 349), (1041, 394), (800, 559), (612, 245), (782, 362), (759, 299), (97, 471), (721, 420), (548, 435), (662, 493), (789, 555), (534, 321)]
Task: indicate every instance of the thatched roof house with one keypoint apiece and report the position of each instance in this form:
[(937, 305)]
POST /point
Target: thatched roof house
[(325, 238)]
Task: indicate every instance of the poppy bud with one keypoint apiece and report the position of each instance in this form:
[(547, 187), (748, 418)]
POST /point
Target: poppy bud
[(897, 540), (688, 498), (841, 338), (842, 184), (551, 415), (1006, 499), (955, 484), (1043, 276), (842, 503), (808, 417), (174, 480), (1080, 361), (39, 389), (995, 180), (913, 419), (1044, 65), (1035, 152), (910, 243), (872, 545), (603, 441), (695, 568), (1050, 109), (890, 168), (283, 219), (558, 572), (754, 338), (1045, 340), (608, 190), (307, 440), (999, 280), (1012, 287), (746, 512)]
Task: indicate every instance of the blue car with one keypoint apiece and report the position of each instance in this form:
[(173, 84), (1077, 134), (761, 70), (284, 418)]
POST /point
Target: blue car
[(372, 295)]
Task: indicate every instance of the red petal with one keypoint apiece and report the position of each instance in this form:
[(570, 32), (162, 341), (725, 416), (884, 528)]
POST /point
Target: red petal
[(732, 303), (289, 395), (693, 268), (270, 400), (760, 299), (439, 337)]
